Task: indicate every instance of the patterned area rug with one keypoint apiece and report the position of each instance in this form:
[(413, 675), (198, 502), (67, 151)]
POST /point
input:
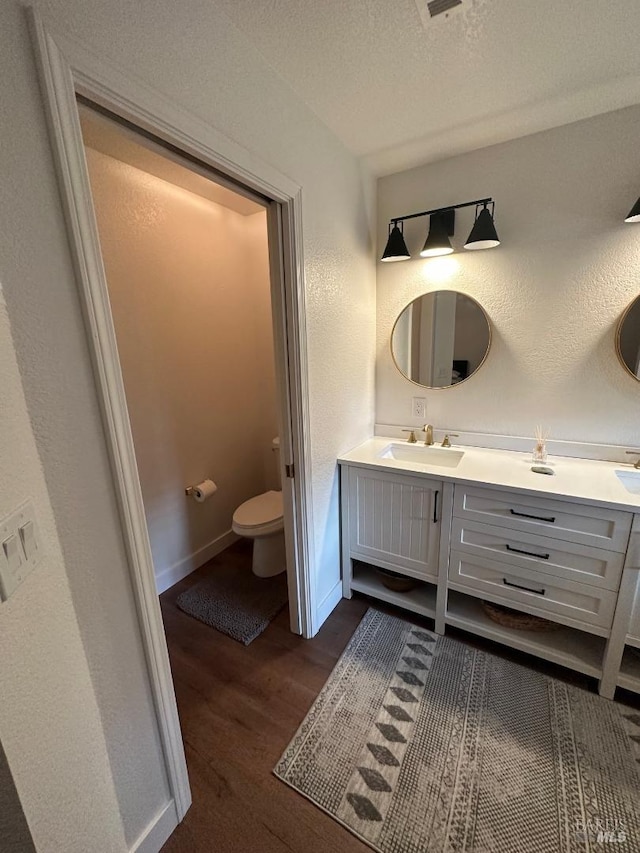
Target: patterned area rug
[(235, 601), (422, 744)]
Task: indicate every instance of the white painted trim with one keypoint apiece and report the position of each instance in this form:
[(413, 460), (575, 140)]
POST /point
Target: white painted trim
[(446, 519), (289, 311), (172, 574), (329, 602), (58, 83), (344, 473), (158, 831), (67, 69)]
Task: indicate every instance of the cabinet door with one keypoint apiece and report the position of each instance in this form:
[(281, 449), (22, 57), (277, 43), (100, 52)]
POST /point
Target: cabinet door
[(394, 521)]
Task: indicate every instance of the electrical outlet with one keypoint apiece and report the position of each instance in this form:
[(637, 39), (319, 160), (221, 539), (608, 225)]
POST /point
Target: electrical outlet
[(419, 407)]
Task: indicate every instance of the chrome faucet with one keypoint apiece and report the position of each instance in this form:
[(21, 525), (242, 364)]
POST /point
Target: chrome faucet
[(427, 429), (636, 464)]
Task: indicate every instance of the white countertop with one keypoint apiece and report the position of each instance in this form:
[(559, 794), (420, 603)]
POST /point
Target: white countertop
[(586, 480)]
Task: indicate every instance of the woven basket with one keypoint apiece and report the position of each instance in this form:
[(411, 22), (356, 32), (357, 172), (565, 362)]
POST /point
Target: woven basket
[(395, 581), (509, 618)]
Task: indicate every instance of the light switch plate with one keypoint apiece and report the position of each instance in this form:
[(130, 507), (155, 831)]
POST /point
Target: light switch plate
[(20, 550)]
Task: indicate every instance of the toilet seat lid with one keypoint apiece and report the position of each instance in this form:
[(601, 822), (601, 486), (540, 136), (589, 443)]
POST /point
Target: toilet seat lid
[(260, 510)]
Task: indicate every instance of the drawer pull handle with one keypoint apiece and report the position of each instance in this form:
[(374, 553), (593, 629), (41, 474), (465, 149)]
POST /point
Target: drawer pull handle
[(528, 553), (435, 506), (536, 517), (525, 588)]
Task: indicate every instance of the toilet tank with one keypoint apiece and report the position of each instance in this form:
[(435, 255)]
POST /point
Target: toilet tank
[(275, 445)]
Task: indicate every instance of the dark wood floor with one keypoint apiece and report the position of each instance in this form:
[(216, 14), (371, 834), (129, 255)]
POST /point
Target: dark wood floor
[(239, 708)]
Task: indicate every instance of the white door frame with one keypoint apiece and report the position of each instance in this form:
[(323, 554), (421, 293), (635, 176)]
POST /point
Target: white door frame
[(68, 69)]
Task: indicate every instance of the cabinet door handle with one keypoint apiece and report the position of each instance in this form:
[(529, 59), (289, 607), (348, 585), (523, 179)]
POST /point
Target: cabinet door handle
[(528, 553), (525, 588), (535, 517), (435, 506)]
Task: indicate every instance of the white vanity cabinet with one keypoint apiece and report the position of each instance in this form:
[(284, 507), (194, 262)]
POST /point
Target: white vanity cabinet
[(571, 561)]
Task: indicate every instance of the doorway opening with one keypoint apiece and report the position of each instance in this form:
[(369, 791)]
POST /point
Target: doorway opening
[(187, 269), (193, 269)]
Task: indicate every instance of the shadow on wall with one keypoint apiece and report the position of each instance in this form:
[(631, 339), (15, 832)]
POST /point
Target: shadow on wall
[(14, 832)]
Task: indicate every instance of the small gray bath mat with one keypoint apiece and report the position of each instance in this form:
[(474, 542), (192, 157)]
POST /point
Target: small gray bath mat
[(233, 600), (421, 744)]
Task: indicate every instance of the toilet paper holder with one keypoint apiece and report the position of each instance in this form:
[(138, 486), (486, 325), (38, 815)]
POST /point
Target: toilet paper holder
[(201, 491)]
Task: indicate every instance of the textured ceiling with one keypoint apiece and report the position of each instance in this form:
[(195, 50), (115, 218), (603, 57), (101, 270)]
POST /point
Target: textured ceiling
[(401, 93)]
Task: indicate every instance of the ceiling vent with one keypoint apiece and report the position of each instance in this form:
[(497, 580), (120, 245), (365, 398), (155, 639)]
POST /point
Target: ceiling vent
[(441, 9)]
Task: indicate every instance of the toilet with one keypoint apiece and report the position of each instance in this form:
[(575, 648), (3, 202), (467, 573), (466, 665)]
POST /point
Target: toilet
[(261, 519)]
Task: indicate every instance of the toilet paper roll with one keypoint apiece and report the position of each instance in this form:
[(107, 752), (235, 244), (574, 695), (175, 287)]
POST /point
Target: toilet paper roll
[(203, 491)]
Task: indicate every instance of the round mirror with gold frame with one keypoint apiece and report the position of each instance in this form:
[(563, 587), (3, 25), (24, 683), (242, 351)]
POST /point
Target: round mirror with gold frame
[(441, 339), (628, 339)]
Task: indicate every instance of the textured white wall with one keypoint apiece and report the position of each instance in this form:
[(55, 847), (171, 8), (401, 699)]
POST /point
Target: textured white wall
[(196, 57), (50, 726), (189, 289), (554, 290)]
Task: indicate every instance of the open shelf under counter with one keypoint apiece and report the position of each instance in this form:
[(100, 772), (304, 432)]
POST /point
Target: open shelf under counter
[(565, 646), (629, 675), (632, 641), (421, 599)]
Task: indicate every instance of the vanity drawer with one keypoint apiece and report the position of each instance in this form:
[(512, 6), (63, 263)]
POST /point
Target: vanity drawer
[(557, 557), (593, 526), (557, 599)]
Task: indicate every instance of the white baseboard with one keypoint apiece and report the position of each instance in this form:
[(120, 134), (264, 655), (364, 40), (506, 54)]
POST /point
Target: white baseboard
[(168, 577), (156, 834), (327, 605)]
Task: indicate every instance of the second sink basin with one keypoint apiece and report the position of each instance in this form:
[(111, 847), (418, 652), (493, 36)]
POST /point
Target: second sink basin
[(630, 480), (443, 457)]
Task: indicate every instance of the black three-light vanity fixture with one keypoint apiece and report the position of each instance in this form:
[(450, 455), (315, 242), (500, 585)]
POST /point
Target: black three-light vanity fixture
[(442, 226)]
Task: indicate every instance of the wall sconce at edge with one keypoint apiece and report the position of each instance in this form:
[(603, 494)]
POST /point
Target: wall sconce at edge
[(634, 213), (442, 226)]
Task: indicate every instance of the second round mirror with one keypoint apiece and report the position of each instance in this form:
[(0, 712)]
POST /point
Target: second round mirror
[(628, 339), (440, 339)]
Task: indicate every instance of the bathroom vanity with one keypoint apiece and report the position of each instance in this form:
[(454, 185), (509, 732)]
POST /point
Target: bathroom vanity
[(470, 524)]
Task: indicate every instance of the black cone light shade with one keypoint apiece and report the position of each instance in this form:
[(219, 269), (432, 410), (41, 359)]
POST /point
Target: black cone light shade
[(437, 242), (634, 213), (483, 234), (396, 248), (442, 223)]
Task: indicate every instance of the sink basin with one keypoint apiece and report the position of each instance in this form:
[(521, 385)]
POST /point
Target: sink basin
[(630, 480), (443, 457)]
